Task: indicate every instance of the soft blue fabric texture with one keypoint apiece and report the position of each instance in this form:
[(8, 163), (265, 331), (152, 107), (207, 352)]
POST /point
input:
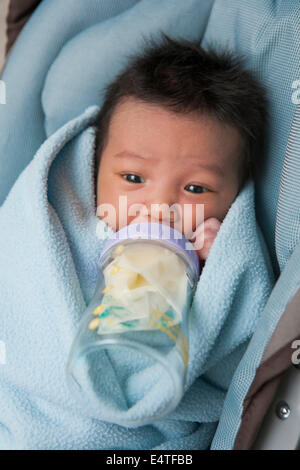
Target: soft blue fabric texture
[(65, 55), (48, 269)]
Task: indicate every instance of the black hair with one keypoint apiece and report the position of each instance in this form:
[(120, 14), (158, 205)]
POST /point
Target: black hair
[(182, 77)]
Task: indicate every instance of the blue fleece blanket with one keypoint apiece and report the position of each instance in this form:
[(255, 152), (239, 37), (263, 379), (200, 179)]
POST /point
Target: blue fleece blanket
[(50, 246)]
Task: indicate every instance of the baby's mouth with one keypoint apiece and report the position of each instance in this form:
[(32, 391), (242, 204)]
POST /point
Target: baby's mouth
[(172, 222), (154, 219)]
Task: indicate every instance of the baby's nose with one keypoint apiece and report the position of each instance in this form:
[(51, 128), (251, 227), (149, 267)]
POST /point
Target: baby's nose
[(162, 212), (159, 213)]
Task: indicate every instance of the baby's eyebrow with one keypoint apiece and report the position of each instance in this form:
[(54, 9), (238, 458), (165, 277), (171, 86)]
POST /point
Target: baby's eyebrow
[(210, 167), (206, 166), (126, 153)]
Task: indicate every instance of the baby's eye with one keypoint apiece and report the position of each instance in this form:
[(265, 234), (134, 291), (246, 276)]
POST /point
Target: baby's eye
[(194, 188), (133, 178)]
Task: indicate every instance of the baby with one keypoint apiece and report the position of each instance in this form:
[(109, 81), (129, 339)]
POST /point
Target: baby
[(179, 125), (183, 126)]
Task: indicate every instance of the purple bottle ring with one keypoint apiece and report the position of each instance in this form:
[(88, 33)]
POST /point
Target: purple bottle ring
[(156, 231)]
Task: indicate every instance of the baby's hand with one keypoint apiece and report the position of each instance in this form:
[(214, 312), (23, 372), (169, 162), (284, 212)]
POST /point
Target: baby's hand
[(210, 227)]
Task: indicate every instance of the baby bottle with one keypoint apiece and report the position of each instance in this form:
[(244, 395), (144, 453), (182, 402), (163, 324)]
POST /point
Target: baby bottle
[(133, 336)]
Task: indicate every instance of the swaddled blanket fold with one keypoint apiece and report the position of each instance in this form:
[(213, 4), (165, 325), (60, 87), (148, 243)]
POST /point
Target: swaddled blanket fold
[(50, 247)]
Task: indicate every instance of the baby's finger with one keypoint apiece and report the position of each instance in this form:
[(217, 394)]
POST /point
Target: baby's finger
[(198, 232), (212, 224)]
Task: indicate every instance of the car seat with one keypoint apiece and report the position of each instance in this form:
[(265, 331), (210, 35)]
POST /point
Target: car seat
[(261, 409)]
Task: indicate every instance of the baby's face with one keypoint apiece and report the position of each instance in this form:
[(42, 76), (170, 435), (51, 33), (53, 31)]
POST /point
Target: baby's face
[(154, 156)]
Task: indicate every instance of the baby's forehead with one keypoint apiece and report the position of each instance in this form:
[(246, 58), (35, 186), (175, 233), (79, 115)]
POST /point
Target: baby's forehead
[(150, 129), (133, 112)]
